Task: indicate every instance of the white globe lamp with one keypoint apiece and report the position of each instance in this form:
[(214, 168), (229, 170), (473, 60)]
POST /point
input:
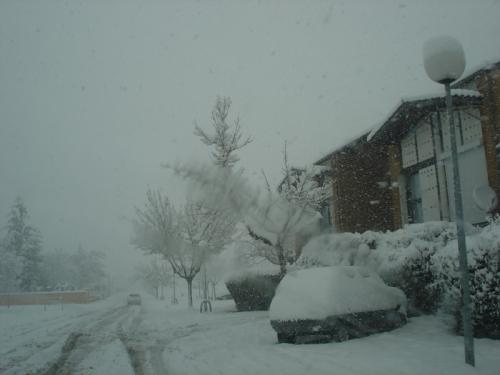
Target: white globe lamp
[(444, 59)]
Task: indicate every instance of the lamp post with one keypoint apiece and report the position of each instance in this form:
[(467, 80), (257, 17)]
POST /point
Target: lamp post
[(444, 62)]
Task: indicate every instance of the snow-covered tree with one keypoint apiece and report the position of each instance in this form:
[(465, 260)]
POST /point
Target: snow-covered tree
[(301, 193), (10, 269), (272, 218), (155, 275), (185, 237), (80, 269), (87, 268), (57, 269), (24, 242), (225, 139), (275, 226), (306, 186)]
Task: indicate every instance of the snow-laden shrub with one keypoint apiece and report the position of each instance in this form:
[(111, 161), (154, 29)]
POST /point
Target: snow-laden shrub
[(253, 288), (253, 292), (422, 260), (483, 256), (382, 252), (418, 278), (403, 258)]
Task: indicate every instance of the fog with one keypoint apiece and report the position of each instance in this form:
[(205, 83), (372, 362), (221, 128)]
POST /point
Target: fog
[(95, 96)]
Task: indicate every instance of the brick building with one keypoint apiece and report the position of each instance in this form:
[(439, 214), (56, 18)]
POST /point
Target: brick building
[(400, 172), (359, 176)]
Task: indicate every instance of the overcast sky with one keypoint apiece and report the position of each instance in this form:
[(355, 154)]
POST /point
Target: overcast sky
[(95, 95)]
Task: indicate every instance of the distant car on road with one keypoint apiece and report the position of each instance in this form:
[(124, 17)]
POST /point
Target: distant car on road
[(134, 299)]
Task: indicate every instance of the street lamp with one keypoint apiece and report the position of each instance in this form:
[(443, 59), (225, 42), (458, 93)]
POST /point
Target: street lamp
[(444, 62)]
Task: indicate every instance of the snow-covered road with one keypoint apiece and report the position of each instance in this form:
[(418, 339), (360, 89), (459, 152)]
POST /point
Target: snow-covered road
[(99, 338), (109, 337)]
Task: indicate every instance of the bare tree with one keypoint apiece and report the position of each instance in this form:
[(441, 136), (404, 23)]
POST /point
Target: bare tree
[(225, 139), (215, 269), (185, 237), (274, 226), (153, 224), (155, 275), (204, 232)]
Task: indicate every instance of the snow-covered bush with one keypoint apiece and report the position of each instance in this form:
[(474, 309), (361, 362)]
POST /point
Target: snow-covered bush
[(419, 280), (403, 258), (422, 260), (254, 288), (483, 256)]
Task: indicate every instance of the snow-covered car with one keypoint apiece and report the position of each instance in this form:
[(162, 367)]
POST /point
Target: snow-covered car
[(334, 303), (134, 299)]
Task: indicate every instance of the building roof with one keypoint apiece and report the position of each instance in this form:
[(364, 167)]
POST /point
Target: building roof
[(412, 108), (476, 72), (350, 143)]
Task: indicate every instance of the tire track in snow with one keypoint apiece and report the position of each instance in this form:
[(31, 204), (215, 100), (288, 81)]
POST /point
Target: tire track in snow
[(51, 332), (87, 339), (144, 352)]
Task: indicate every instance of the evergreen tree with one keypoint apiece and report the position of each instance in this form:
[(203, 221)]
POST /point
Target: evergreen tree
[(10, 269), (24, 242)]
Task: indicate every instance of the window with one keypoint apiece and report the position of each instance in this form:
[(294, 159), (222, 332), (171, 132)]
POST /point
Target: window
[(414, 199)]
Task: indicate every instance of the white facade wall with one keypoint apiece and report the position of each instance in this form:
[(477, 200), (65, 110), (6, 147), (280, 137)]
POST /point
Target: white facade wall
[(426, 150)]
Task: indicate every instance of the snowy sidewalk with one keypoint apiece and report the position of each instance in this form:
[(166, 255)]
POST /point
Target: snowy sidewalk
[(244, 343)]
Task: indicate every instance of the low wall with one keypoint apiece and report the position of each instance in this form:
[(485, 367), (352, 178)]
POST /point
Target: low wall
[(46, 298)]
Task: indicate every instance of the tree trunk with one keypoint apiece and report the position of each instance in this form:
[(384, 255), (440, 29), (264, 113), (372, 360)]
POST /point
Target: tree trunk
[(214, 295), (281, 260), (174, 296), (205, 283), (190, 292)]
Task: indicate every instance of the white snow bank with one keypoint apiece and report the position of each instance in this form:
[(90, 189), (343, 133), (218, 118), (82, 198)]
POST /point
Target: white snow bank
[(322, 292)]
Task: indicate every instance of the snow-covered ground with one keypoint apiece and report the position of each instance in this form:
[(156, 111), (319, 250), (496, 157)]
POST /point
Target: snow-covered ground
[(227, 342), (33, 337), (161, 338)]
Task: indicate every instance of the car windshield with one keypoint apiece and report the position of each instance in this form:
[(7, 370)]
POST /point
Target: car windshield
[(248, 186)]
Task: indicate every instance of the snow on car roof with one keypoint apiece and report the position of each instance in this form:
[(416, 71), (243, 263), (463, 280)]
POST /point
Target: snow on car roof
[(321, 292)]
